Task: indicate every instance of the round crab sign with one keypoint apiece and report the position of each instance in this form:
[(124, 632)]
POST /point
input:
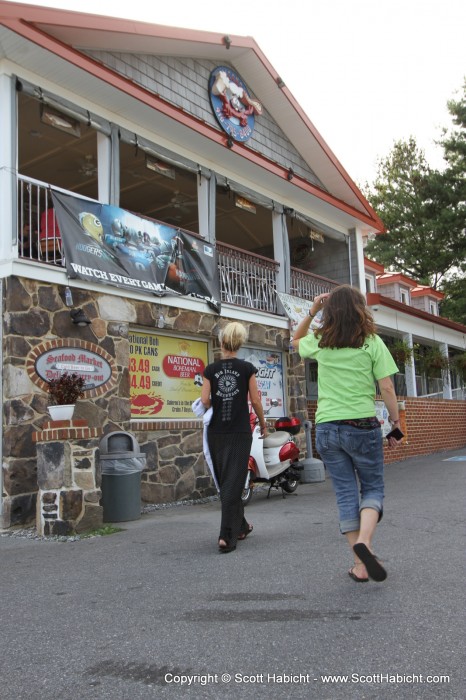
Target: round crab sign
[(234, 109)]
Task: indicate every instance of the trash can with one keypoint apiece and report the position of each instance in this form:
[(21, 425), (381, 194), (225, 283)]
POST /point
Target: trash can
[(121, 463)]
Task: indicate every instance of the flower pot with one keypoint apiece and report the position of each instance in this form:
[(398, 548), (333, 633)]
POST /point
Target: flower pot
[(61, 412)]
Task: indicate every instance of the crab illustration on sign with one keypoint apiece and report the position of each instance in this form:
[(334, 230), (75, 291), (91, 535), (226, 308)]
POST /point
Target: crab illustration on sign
[(232, 105)]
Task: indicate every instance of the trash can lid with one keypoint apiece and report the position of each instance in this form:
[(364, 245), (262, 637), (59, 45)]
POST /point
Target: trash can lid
[(118, 441)]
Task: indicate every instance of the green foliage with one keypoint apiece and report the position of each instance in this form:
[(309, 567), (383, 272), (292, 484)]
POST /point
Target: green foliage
[(458, 363), (454, 304), (432, 361), (102, 531), (67, 389), (405, 195), (400, 351), (424, 213)]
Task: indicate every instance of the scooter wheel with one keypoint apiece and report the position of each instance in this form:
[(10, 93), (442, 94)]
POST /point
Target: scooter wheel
[(246, 495), (290, 486)]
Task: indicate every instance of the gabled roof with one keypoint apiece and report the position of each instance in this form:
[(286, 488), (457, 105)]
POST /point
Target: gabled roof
[(395, 277), (373, 266), (68, 34), (424, 291)]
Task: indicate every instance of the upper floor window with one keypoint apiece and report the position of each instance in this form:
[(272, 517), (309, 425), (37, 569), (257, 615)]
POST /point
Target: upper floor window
[(404, 296), (56, 148), (370, 283), (433, 308)]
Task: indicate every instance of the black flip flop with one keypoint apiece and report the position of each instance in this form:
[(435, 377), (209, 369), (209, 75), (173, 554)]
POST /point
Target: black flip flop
[(374, 568), (356, 578)]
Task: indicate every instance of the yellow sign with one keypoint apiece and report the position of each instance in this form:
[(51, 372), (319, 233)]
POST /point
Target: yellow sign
[(166, 375)]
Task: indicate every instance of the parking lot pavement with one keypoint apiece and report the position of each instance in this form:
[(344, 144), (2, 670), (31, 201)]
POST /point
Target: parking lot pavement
[(154, 611)]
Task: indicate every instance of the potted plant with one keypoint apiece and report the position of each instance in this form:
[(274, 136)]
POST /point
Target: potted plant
[(459, 364), (433, 362), (63, 394), (400, 351)]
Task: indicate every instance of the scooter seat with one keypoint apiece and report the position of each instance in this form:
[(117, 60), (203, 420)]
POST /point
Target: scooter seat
[(276, 439)]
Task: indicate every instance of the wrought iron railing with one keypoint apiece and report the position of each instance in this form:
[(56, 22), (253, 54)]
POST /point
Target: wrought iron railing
[(38, 234), (246, 279), (305, 285)]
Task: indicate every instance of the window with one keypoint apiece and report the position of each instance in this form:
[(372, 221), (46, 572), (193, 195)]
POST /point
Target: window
[(370, 283), (433, 308), (404, 296)]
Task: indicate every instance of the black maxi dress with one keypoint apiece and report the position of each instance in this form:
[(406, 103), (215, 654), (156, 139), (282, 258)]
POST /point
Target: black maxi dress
[(230, 439)]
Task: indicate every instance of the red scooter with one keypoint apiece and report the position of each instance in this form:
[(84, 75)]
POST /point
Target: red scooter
[(274, 460)]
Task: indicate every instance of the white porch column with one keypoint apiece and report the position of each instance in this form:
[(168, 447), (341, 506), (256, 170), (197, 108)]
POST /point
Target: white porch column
[(410, 369), (446, 377), (281, 251), (8, 218), (203, 202)]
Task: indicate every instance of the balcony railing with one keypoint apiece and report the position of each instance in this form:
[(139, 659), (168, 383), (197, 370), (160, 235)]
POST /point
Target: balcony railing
[(248, 280), (38, 234), (307, 286)]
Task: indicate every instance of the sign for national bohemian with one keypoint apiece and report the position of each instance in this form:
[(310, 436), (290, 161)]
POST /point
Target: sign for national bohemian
[(103, 243)]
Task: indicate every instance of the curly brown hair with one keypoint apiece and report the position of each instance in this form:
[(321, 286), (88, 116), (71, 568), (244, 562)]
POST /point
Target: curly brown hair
[(346, 320)]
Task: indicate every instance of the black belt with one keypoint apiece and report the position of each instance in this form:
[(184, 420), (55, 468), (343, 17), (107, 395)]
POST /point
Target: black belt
[(361, 423)]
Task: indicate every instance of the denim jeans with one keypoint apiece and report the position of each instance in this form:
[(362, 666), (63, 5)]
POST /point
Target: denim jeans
[(354, 460)]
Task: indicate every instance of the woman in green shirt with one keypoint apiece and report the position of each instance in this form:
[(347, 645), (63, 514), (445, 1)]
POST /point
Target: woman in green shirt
[(351, 358)]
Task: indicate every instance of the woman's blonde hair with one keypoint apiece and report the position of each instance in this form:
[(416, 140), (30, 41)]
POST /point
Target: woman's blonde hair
[(233, 336)]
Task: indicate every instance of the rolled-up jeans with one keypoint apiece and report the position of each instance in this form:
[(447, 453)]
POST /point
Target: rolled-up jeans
[(354, 459)]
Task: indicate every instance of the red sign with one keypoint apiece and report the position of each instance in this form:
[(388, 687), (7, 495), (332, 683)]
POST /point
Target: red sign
[(182, 366)]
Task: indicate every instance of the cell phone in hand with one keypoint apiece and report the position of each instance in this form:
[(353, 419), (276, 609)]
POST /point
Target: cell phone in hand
[(395, 433)]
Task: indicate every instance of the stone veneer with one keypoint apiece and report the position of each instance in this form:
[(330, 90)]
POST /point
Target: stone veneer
[(35, 313), (69, 485)]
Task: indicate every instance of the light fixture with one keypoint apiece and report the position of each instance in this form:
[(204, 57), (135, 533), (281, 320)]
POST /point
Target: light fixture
[(79, 318), (227, 41), (230, 142), (280, 82), (243, 203), (290, 174), (60, 121), (158, 166)]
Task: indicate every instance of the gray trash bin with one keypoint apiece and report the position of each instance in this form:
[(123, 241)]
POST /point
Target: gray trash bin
[(121, 463)]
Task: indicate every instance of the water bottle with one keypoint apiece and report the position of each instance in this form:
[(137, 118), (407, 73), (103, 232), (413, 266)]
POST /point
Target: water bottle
[(68, 297)]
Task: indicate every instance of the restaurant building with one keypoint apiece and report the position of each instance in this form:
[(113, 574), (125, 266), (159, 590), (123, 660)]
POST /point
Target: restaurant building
[(155, 184)]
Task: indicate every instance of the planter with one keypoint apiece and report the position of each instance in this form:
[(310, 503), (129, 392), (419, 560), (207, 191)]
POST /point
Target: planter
[(401, 352), (61, 412)]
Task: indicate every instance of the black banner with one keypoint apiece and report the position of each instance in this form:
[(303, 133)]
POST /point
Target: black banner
[(103, 243)]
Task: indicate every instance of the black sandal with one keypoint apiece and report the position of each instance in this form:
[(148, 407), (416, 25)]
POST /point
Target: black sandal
[(225, 548), (243, 535)]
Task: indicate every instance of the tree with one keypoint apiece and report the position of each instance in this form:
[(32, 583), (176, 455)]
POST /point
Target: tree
[(424, 213), (454, 196)]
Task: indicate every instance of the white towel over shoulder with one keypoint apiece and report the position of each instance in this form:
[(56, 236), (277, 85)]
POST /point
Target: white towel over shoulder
[(200, 410)]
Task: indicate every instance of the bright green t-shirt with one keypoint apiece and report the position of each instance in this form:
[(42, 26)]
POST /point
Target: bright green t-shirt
[(347, 376)]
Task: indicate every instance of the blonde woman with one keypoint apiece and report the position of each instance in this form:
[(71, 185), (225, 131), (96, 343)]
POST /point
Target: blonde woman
[(227, 384)]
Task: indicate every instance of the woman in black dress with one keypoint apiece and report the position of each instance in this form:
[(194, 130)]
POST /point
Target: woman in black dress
[(227, 384)]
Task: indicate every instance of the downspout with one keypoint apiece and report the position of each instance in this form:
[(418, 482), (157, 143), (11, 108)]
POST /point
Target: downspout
[(348, 243)]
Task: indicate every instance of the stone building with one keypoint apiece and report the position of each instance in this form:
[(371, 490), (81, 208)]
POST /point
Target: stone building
[(128, 153)]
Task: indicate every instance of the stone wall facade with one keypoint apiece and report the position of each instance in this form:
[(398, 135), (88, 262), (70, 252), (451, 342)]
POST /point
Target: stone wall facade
[(35, 313)]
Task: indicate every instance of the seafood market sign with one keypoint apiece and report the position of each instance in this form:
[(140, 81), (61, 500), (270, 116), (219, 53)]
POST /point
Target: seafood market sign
[(231, 103), (96, 367)]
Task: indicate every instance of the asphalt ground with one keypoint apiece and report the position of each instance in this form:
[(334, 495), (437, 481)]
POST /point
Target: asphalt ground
[(155, 611)]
